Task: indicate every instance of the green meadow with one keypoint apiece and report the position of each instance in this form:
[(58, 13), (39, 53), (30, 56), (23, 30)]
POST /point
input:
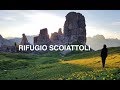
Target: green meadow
[(53, 66)]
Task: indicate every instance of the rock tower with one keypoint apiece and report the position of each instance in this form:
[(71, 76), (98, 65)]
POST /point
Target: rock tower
[(24, 40), (43, 38), (75, 28)]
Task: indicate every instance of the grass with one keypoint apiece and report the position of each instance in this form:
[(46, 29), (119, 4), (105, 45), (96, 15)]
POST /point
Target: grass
[(112, 61), (111, 72), (53, 66)]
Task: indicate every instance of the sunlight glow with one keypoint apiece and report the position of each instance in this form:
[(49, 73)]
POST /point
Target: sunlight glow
[(36, 22), (33, 21)]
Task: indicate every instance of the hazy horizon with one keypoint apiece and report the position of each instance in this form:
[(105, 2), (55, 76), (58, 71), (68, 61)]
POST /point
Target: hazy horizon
[(36, 35), (13, 23), (96, 42)]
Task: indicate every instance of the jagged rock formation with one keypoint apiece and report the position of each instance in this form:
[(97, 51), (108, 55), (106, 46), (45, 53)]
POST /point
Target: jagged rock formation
[(24, 40), (1, 37), (5, 42), (74, 31), (75, 28), (57, 37), (43, 38), (6, 45), (60, 31)]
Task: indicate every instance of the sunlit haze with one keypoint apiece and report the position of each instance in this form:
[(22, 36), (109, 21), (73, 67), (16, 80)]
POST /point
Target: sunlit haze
[(13, 23)]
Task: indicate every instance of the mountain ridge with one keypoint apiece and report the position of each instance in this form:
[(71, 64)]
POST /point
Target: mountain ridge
[(96, 42)]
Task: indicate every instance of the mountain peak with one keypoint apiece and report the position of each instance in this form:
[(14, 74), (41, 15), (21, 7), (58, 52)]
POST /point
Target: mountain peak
[(1, 36)]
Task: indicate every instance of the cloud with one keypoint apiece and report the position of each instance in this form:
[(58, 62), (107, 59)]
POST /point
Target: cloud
[(93, 30), (35, 22), (9, 19), (117, 23), (44, 20), (13, 14), (31, 21)]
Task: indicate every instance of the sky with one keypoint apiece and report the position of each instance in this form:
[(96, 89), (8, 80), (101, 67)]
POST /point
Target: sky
[(13, 23)]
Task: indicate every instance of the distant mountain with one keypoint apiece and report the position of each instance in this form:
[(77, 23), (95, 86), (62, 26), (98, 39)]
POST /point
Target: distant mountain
[(96, 42), (6, 42), (18, 40)]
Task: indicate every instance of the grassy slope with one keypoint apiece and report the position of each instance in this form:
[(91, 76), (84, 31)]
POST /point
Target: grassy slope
[(51, 65), (112, 70)]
